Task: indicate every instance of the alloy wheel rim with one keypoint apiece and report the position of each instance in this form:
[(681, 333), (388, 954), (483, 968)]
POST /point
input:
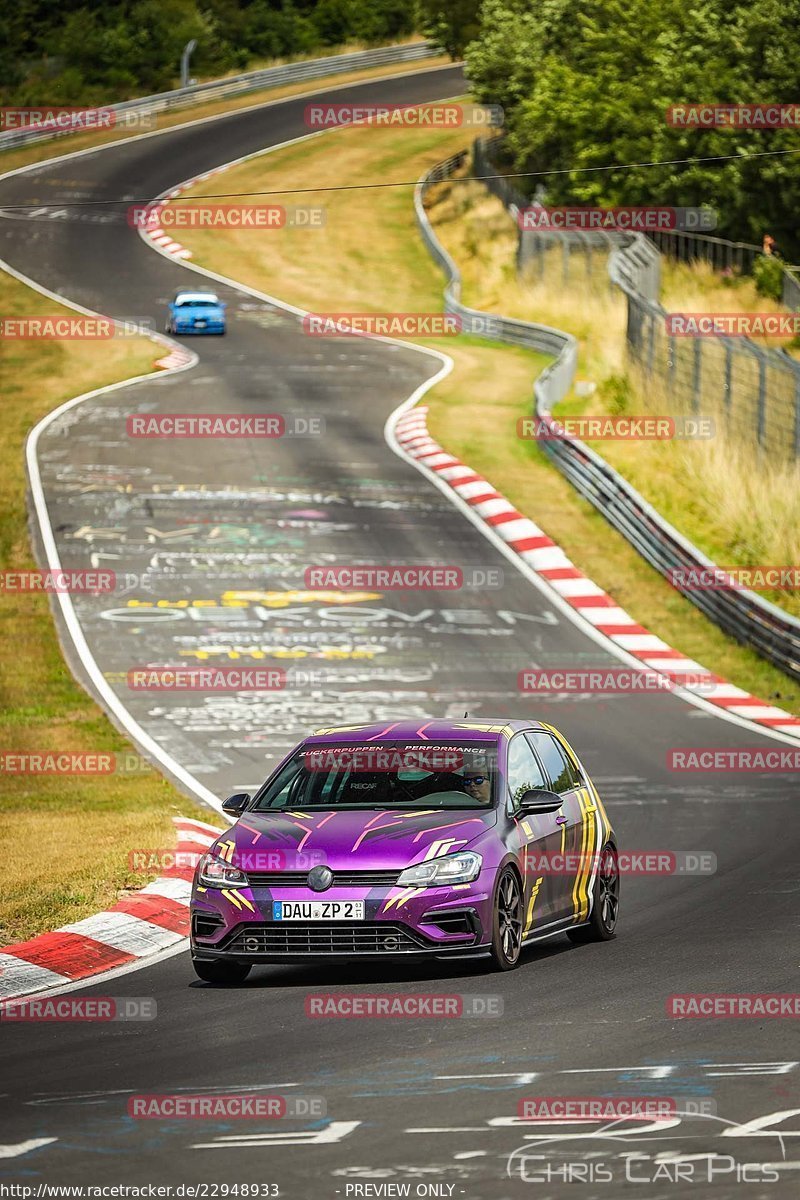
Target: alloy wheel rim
[(608, 896), (510, 917)]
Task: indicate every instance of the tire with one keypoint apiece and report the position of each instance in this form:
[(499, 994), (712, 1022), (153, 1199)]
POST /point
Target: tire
[(605, 905), (217, 971), (507, 920)]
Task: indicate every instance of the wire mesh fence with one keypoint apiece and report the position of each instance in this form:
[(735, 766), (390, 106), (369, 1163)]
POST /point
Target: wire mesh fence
[(752, 393)]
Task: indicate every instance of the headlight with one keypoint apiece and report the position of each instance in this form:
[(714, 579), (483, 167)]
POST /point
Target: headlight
[(216, 873), (437, 872)]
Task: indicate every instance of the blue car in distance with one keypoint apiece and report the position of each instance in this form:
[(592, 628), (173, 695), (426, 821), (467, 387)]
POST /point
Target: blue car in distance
[(195, 312)]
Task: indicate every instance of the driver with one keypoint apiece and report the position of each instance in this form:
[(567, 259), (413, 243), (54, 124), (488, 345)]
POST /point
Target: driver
[(477, 781)]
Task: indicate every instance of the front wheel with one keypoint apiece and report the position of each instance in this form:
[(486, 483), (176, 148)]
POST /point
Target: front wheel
[(507, 922), (218, 971), (605, 906)]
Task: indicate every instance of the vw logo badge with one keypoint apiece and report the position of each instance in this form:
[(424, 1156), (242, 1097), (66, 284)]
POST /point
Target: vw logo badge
[(320, 878)]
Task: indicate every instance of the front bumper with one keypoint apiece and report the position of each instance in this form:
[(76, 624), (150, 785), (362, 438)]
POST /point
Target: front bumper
[(268, 943), (434, 922), (211, 327)]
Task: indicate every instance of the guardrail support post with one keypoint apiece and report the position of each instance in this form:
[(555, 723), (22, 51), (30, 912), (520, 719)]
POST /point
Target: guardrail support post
[(188, 51)]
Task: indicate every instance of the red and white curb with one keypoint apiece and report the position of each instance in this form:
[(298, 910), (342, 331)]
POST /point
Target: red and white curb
[(551, 564), (153, 231), (137, 926), (176, 358)]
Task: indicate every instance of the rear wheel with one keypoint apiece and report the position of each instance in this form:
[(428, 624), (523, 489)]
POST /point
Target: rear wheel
[(217, 971), (507, 921), (605, 907)]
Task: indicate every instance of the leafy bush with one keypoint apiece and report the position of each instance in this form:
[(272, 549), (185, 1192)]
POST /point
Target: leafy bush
[(586, 84), (768, 276)]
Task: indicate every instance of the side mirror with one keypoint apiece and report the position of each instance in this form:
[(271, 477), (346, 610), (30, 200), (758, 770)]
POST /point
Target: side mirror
[(236, 804), (540, 800)]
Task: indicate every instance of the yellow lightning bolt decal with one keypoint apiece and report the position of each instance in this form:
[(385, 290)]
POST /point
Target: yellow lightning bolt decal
[(532, 901), (400, 899), (237, 899)]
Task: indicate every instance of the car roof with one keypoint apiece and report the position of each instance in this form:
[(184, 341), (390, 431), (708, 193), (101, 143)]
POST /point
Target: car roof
[(479, 729), (209, 297)]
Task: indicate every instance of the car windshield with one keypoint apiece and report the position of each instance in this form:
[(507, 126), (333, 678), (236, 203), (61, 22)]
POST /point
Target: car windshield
[(385, 775), (196, 302)]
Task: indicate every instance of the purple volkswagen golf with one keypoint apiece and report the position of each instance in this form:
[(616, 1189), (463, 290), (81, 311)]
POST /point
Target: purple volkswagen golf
[(473, 837)]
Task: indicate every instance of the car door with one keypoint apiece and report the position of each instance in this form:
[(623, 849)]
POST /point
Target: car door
[(538, 835), (570, 886)]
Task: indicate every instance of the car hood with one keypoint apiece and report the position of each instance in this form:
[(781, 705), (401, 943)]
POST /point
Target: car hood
[(354, 840)]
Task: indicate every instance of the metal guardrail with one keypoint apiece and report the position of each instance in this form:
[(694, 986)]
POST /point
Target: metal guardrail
[(556, 380), (744, 615), (129, 113)]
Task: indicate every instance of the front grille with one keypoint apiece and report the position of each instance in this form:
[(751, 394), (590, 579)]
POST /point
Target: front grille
[(323, 937), (340, 878)]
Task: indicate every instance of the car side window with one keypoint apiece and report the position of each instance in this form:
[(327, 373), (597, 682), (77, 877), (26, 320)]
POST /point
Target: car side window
[(524, 772), (562, 774)]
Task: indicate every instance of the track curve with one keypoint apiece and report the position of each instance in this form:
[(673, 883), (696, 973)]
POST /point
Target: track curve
[(412, 1099)]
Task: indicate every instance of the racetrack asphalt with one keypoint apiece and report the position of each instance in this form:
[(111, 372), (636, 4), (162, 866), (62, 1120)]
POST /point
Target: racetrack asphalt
[(408, 1101)]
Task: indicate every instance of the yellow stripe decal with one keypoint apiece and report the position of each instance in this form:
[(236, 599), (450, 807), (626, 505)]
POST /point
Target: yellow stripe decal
[(534, 894), (576, 884)]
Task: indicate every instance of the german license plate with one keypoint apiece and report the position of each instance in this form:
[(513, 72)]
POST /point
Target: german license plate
[(318, 910)]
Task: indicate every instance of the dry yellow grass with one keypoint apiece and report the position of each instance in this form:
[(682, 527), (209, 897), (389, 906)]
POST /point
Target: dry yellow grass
[(696, 287), (481, 235), (341, 265)]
